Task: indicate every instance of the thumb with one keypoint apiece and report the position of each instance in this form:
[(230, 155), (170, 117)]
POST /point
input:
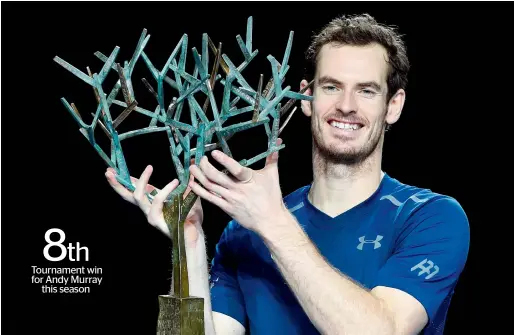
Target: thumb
[(273, 158)]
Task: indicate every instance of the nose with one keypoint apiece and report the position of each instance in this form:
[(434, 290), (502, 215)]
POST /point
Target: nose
[(346, 102)]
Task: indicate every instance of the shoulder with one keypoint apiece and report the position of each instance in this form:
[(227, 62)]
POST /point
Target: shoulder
[(414, 205), (423, 216), (409, 197)]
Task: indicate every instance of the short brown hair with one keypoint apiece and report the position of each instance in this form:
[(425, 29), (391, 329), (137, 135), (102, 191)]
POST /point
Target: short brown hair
[(360, 30)]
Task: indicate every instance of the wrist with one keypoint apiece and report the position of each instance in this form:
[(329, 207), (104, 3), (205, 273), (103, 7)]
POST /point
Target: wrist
[(193, 235), (282, 227)]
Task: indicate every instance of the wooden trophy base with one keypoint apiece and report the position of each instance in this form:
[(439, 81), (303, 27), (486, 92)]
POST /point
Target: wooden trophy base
[(180, 316)]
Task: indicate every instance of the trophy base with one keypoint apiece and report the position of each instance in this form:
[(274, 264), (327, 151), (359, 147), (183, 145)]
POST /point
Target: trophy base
[(180, 316)]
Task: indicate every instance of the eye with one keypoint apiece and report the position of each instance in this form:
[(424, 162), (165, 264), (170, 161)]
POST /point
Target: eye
[(329, 88), (367, 93)]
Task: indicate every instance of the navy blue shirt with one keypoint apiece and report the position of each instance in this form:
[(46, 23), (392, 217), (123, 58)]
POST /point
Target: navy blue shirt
[(403, 237)]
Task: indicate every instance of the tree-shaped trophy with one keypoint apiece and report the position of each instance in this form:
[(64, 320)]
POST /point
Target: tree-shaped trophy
[(179, 312)]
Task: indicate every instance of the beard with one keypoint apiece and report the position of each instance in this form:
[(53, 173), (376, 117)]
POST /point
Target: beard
[(348, 156)]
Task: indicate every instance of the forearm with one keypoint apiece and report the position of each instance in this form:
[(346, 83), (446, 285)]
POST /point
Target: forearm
[(332, 301), (199, 278)]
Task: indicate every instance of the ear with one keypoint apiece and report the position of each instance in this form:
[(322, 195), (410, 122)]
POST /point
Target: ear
[(395, 106), (306, 105)]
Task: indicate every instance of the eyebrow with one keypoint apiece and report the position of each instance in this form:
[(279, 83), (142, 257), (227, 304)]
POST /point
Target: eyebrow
[(332, 80)]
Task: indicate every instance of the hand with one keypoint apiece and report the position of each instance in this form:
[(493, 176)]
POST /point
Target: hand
[(251, 197), (153, 210)]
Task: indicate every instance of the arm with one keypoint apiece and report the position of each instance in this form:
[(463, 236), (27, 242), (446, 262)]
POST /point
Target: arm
[(215, 323), (198, 276), (334, 303)]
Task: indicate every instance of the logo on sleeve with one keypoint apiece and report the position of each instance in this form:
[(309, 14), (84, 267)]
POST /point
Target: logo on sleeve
[(431, 270), (375, 242)]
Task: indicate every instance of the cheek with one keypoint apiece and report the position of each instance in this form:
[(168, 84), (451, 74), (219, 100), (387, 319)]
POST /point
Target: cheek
[(373, 111), (377, 121), (321, 107)]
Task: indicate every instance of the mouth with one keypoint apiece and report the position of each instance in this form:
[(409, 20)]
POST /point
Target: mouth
[(347, 126)]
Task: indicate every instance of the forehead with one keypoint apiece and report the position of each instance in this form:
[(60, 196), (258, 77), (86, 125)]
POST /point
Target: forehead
[(351, 64)]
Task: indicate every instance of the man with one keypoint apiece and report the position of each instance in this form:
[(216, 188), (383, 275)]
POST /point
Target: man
[(355, 252)]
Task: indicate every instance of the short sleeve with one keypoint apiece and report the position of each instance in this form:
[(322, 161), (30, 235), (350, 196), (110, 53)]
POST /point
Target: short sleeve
[(430, 255), (226, 296)]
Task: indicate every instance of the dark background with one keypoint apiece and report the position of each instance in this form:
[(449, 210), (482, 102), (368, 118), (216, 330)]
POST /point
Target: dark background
[(454, 137)]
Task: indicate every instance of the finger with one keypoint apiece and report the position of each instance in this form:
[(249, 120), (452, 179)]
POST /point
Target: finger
[(142, 183), (149, 188), (215, 175), (207, 184), (165, 192), (204, 194), (120, 189), (273, 158), (139, 193), (155, 216), (237, 170)]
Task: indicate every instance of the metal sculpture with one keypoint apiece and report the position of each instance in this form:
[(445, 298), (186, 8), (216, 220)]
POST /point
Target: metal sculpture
[(180, 313)]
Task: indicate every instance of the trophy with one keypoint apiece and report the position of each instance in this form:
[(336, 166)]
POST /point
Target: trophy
[(180, 313)]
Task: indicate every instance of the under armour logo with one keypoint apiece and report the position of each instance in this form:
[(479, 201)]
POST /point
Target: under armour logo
[(376, 242), (426, 269)]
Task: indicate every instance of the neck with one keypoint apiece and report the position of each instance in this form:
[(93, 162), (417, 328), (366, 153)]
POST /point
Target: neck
[(338, 187)]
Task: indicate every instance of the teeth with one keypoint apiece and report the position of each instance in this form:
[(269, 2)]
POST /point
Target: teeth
[(346, 126)]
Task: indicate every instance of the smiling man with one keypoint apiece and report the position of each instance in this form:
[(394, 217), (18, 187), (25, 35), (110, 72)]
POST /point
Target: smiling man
[(355, 252)]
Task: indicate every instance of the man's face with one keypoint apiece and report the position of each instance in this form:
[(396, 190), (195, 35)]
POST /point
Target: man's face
[(349, 109)]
